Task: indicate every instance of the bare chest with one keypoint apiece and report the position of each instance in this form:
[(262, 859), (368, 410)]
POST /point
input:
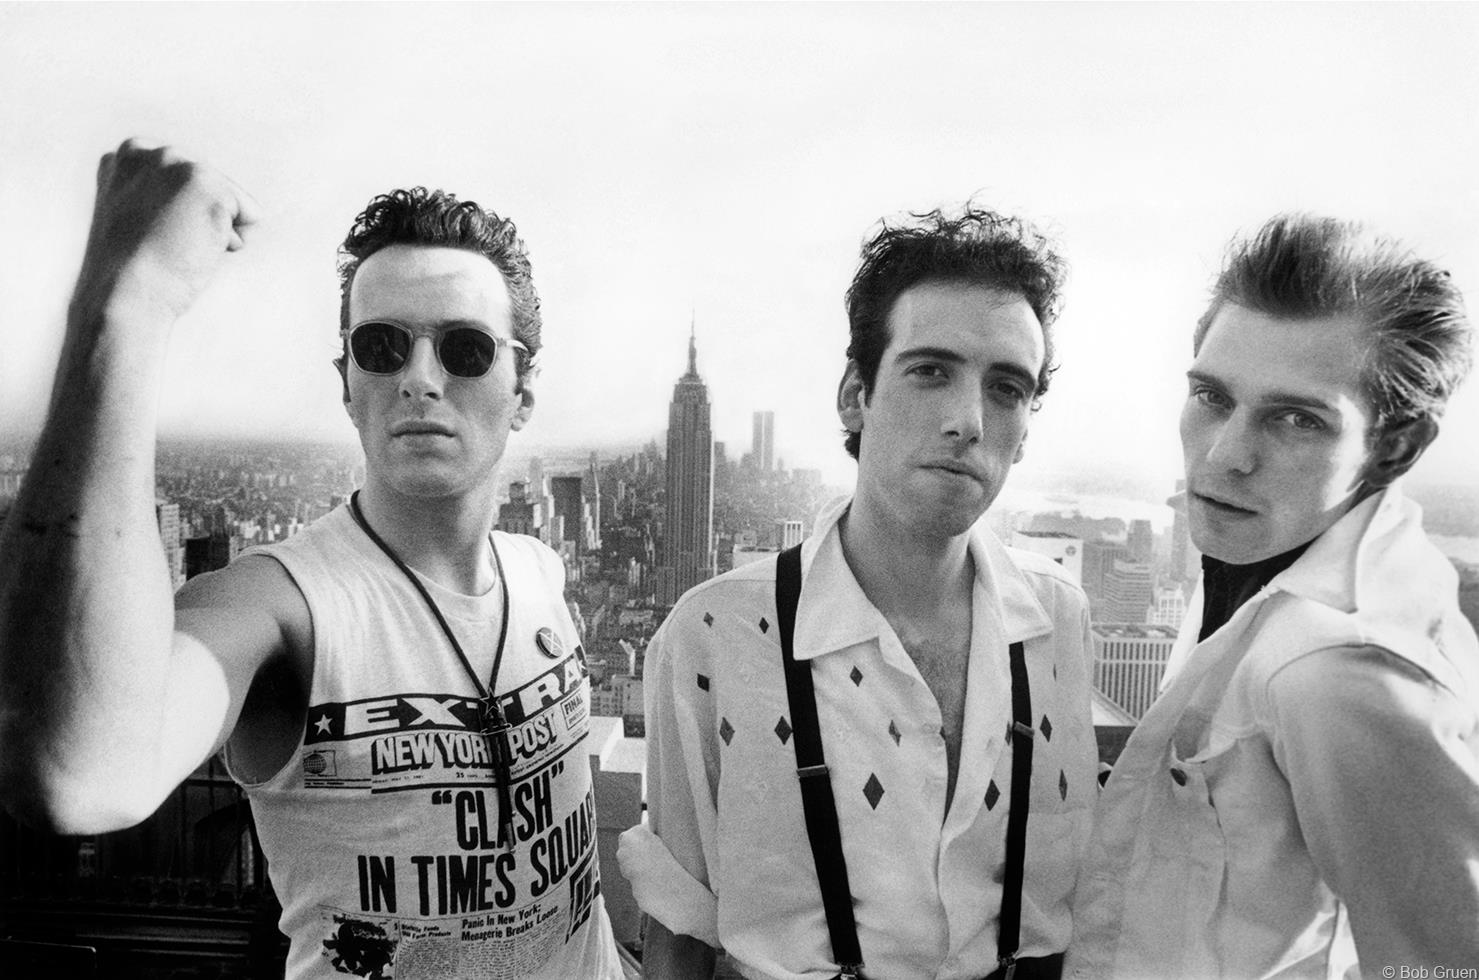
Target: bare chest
[(943, 665)]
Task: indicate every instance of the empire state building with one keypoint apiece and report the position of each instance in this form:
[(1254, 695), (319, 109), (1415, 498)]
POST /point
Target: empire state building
[(688, 541)]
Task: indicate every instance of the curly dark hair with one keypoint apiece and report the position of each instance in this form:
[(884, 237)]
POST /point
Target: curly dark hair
[(421, 217), (1303, 266), (976, 247)]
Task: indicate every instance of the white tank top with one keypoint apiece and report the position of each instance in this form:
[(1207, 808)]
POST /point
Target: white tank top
[(381, 834)]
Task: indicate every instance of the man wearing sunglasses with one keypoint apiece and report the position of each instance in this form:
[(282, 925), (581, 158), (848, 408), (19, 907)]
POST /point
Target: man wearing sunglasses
[(399, 689)]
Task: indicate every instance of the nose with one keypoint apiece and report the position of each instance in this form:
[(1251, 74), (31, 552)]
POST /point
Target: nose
[(422, 376), (963, 421), (1234, 445)]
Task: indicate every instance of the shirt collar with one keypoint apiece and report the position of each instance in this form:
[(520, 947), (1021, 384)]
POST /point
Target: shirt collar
[(1225, 587), (834, 613), (999, 577), (1375, 565), (1365, 557)]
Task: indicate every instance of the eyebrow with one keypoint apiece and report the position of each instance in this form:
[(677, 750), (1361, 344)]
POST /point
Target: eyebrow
[(464, 322), (1271, 398), (954, 357), (442, 325)]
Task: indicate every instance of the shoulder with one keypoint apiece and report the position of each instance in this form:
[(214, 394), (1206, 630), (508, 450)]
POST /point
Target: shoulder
[(252, 609), (1293, 640), (1347, 705), (256, 624), (526, 551), (744, 592), (325, 556), (1051, 582), (328, 550), (256, 580), (732, 612), (1039, 567), (1353, 678), (524, 544), (1354, 695)]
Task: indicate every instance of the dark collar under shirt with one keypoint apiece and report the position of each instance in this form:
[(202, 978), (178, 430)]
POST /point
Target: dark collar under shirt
[(1226, 587)]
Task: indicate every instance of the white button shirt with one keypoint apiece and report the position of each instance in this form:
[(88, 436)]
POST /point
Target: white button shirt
[(1309, 776), (727, 858)]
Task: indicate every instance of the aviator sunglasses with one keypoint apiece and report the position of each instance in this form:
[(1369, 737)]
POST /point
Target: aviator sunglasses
[(465, 352)]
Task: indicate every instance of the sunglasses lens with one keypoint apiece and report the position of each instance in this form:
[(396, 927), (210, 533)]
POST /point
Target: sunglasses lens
[(380, 348), (467, 353)]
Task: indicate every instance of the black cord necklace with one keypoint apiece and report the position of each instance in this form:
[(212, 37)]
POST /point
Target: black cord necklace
[(495, 725)]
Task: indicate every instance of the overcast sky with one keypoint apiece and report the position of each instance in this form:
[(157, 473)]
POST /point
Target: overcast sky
[(722, 163)]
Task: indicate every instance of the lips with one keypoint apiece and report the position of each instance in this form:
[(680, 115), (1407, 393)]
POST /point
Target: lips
[(420, 427), (956, 468), (1224, 504)]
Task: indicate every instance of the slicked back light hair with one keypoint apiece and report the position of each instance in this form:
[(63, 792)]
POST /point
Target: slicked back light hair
[(974, 247), (1419, 341)]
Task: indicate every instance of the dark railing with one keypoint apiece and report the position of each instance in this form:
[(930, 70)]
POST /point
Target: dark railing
[(182, 896)]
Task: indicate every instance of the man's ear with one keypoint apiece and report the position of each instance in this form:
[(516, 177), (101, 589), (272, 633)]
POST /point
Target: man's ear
[(351, 408), (526, 402), (343, 369), (851, 397), (1396, 449)]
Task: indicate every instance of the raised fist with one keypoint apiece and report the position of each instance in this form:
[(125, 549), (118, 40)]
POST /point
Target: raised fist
[(160, 227)]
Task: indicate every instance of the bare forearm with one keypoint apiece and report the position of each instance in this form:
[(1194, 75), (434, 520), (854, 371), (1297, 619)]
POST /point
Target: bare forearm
[(85, 602), (87, 647)]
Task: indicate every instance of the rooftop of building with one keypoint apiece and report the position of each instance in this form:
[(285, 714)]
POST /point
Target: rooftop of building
[(1106, 713), (1134, 631)]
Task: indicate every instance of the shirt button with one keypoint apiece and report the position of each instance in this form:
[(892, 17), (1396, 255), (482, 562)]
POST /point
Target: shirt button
[(1179, 777)]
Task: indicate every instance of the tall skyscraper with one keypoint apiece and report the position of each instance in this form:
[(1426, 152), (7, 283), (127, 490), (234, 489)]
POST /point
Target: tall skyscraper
[(537, 493), (592, 489), (1141, 541), (1099, 557), (570, 505), (167, 516), (1128, 593), (688, 545), (762, 449)]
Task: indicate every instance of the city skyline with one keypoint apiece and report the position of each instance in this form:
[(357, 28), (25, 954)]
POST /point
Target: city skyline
[(728, 160)]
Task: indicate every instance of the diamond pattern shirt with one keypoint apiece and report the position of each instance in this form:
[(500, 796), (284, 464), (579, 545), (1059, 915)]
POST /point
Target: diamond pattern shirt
[(726, 856)]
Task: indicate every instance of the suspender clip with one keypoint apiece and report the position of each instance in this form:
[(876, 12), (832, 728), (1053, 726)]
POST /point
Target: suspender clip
[(806, 772), (850, 971), (1008, 964)]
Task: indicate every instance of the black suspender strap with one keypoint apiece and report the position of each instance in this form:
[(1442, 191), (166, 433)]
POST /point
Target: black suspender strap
[(1009, 926), (817, 804), (820, 808)]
